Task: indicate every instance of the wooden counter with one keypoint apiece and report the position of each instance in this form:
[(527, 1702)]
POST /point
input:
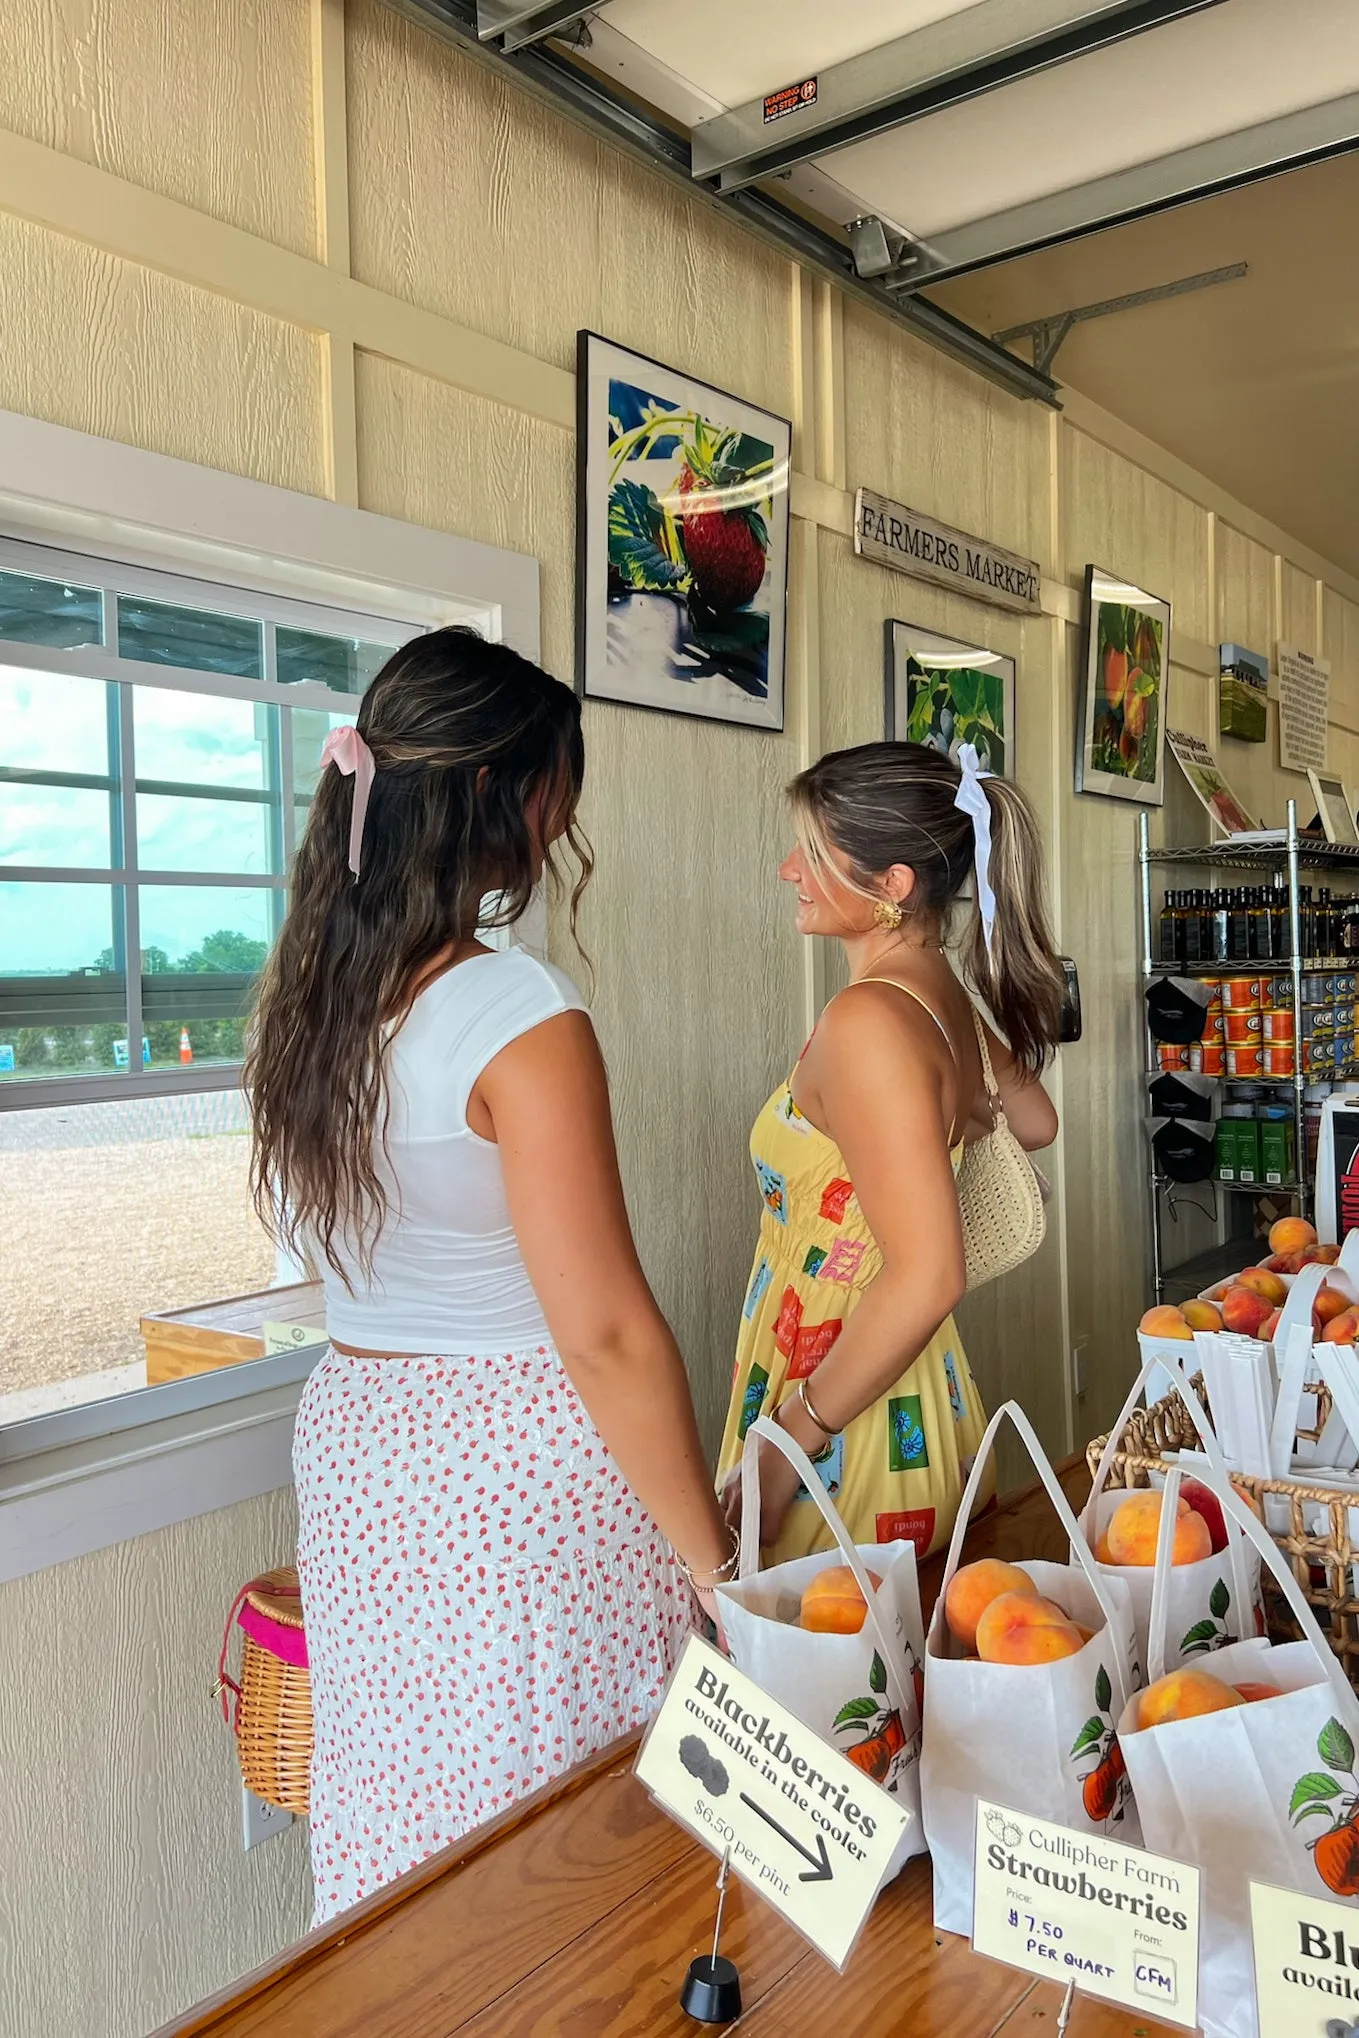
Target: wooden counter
[(576, 1916), (181, 1342)]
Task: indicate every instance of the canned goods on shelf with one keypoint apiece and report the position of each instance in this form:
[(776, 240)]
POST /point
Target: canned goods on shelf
[(1279, 1059), (1279, 1026), (1281, 993), (1245, 1061), (1171, 1057), (1243, 1027), (1241, 994), (1212, 1059)]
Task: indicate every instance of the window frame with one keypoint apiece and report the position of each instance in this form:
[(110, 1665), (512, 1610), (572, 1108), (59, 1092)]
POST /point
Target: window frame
[(80, 1479)]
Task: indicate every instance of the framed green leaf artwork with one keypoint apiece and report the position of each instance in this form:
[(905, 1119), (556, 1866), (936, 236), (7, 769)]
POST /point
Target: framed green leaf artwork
[(944, 693), (681, 541), (1122, 714)]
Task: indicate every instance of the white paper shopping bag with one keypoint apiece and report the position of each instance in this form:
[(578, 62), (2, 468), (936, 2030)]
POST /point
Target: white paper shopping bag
[(1264, 1792), (860, 1693), (1208, 1603), (1037, 1737)]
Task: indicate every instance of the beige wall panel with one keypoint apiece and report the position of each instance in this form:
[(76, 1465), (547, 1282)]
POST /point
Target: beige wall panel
[(207, 101), (1297, 608), (97, 344), (452, 168), (1120, 517), (1341, 647), (1245, 591), (686, 921), (926, 432), (146, 1901)]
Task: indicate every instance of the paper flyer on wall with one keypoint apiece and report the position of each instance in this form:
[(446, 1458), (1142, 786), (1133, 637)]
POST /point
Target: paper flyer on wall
[(1200, 767)]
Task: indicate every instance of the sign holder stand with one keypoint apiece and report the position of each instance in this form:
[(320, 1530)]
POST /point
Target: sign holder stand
[(1064, 2013), (712, 1987)]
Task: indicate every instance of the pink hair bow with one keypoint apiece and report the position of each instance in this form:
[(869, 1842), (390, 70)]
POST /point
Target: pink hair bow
[(347, 751)]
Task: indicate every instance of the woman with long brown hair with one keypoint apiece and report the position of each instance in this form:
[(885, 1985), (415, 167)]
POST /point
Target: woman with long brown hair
[(499, 1444), (848, 1336)]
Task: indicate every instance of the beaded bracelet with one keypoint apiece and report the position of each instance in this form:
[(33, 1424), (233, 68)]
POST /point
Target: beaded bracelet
[(704, 1580)]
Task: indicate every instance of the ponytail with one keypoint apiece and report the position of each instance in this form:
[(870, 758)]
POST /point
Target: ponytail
[(1019, 972)]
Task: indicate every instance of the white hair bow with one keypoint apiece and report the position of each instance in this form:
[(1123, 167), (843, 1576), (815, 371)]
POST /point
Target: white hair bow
[(971, 797)]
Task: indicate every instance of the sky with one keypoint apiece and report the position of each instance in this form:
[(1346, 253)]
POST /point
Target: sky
[(52, 722)]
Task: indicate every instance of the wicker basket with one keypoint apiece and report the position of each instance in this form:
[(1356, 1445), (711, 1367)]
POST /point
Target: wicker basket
[(1322, 1563), (273, 1722)]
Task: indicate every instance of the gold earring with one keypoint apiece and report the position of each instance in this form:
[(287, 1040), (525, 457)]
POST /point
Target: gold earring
[(888, 915)]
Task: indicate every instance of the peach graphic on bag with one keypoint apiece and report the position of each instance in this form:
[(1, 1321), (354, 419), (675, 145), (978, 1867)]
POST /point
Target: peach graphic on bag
[(1335, 1855), (1104, 1788), (879, 1723)]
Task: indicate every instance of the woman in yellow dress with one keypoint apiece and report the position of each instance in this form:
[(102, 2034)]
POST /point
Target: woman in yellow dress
[(847, 1335)]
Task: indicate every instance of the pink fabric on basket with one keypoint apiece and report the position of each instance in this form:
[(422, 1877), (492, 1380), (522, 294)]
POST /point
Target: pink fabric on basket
[(288, 1644)]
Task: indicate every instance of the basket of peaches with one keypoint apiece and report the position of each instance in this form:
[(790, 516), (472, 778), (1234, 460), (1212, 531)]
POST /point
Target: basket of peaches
[(1252, 1302)]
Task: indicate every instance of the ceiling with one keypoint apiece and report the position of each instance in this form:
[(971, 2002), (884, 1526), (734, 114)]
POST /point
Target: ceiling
[(1254, 382), (1008, 160)]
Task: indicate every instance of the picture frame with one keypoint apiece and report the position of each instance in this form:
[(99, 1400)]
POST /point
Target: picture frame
[(680, 609), (1121, 722), (1335, 805), (943, 692)]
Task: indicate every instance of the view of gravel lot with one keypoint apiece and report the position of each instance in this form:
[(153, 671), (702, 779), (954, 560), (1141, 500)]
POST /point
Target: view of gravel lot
[(113, 1211)]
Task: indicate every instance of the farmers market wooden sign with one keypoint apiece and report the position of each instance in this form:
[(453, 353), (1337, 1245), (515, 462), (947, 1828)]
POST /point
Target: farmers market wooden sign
[(895, 536)]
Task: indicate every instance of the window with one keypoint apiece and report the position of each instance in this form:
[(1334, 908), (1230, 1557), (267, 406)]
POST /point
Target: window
[(160, 741)]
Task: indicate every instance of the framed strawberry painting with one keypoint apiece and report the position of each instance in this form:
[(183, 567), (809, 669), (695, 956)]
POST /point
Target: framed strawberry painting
[(1122, 724), (681, 542)]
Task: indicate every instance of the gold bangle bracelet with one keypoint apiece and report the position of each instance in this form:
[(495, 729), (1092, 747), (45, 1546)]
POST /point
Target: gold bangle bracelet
[(805, 1398)]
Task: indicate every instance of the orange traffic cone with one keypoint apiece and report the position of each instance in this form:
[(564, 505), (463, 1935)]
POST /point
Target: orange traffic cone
[(185, 1045)]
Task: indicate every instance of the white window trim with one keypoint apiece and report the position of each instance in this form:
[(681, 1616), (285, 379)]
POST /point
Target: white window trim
[(82, 1479)]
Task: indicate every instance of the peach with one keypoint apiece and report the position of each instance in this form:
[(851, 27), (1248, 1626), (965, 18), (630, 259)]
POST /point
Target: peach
[(1165, 1321), (1264, 1283), (1329, 1302), (833, 1604), (1270, 1326), (1201, 1315), (1247, 1498), (971, 1590), (1253, 1693), (1135, 1524), (1102, 1555), (1021, 1627), (1341, 1330), (1291, 1234), (1182, 1695), (1243, 1310), (1323, 1255)]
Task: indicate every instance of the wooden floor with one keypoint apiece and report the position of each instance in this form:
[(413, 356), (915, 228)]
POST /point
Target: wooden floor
[(578, 1914)]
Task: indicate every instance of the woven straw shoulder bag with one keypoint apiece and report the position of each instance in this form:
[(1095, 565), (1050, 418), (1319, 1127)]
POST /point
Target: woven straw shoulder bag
[(1000, 1200)]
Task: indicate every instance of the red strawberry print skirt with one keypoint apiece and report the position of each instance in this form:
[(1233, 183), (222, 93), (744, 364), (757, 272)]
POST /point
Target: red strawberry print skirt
[(486, 1601)]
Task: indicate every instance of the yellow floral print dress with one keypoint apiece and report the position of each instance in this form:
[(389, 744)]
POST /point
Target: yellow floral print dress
[(897, 1472)]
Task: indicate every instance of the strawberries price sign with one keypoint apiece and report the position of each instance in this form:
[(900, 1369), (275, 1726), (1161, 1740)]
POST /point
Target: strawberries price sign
[(1117, 1921), (805, 1828)]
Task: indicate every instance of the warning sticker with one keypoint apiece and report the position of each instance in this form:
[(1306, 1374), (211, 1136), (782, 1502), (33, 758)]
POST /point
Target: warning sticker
[(789, 99)]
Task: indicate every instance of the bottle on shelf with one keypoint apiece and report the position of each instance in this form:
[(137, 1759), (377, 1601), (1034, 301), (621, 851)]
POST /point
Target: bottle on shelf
[(1238, 926), (1261, 926), (1193, 929), (1168, 948)]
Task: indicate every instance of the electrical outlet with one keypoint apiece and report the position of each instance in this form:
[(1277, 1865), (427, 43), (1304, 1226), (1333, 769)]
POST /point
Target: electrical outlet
[(1078, 1369), (260, 1821)]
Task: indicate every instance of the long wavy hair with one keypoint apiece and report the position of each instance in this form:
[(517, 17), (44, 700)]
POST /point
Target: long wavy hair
[(886, 803), (479, 764)]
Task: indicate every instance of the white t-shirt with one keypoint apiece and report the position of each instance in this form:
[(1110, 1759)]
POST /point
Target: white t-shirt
[(447, 1273)]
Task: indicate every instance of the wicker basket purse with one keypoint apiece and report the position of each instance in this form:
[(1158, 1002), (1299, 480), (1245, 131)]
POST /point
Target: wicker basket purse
[(273, 1721), (1310, 1522), (1000, 1198)]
